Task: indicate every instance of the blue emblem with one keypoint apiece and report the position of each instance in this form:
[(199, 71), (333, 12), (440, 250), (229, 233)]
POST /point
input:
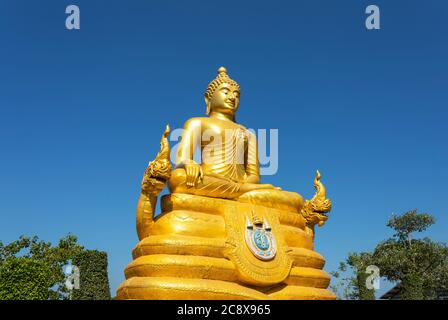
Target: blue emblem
[(259, 239)]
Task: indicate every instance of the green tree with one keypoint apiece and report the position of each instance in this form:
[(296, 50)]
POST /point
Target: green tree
[(419, 265), (33, 269), (359, 263), (24, 278), (350, 278), (341, 284), (94, 282)]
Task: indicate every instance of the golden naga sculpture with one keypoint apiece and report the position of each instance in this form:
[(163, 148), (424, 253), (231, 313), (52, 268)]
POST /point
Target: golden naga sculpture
[(222, 234)]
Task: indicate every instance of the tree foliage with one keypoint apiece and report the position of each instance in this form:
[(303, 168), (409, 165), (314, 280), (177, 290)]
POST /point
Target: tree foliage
[(94, 282), (351, 278), (24, 278), (408, 223), (33, 269), (419, 265)]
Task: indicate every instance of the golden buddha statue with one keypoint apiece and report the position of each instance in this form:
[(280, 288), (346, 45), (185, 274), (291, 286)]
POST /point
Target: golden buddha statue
[(222, 234), (221, 175)]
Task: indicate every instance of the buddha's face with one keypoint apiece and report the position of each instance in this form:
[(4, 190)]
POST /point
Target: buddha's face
[(225, 99)]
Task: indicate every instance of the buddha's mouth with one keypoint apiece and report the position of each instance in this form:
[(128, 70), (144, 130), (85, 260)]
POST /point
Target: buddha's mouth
[(230, 103)]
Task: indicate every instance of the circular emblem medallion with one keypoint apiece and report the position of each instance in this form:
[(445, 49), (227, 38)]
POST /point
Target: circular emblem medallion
[(260, 240)]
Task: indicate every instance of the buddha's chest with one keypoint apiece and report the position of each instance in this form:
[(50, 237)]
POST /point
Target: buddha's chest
[(224, 137), (224, 148)]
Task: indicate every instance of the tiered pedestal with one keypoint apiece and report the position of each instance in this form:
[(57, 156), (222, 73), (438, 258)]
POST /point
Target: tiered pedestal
[(195, 251)]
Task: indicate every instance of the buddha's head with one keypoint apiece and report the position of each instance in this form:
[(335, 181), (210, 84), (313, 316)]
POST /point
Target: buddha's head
[(223, 94)]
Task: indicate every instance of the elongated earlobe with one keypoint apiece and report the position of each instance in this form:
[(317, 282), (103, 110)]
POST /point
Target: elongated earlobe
[(207, 103)]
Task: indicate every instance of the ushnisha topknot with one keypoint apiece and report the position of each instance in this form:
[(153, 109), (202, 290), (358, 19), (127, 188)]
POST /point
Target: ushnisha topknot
[(221, 78)]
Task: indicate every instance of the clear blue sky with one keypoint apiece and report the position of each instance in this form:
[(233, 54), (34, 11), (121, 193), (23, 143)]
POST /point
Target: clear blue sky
[(81, 112)]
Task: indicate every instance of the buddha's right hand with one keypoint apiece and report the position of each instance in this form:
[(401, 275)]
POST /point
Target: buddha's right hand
[(194, 174)]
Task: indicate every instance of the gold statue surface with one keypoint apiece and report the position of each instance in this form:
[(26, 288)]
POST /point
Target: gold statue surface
[(230, 168), (222, 234)]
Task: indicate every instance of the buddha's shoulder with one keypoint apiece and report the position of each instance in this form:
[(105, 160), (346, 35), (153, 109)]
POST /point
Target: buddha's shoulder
[(205, 122), (196, 121)]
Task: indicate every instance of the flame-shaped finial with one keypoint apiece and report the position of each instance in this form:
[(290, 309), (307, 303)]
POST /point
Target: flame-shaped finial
[(314, 210), (319, 200), (164, 153), (320, 188)]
